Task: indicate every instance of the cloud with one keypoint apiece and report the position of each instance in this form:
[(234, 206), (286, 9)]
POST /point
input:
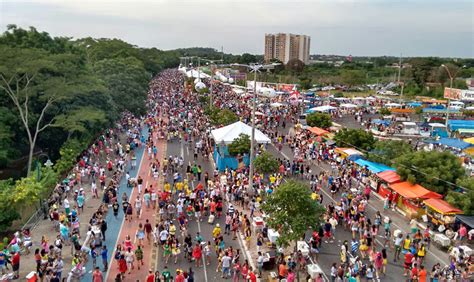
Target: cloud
[(355, 27)]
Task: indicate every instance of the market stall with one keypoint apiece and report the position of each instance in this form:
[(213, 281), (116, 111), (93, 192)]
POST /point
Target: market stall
[(385, 179), (409, 197), (440, 212), (349, 153)]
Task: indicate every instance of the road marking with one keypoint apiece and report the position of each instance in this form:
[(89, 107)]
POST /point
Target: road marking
[(123, 220), (182, 150)]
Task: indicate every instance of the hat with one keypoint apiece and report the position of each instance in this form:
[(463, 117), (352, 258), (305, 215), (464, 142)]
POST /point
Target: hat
[(217, 225)]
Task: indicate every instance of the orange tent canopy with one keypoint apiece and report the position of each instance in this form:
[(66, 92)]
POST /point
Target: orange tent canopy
[(389, 176), (318, 131), (401, 111), (414, 191), (442, 206)]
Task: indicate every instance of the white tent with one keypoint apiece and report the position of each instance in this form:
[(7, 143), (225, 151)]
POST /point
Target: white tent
[(229, 133), (393, 105), (276, 105), (325, 108), (348, 105), (197, 74)]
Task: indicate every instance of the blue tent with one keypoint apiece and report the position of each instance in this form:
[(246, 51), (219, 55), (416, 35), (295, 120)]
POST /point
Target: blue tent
[(454, 143), (414, 104), (460, 124), (373, 167), (381, 121)]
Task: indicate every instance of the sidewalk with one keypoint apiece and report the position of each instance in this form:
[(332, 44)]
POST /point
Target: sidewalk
[(45, 227)]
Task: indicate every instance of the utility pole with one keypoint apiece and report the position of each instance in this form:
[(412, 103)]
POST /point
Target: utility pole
[(255, 68), (399, 68), (252, 138), (451, 79)]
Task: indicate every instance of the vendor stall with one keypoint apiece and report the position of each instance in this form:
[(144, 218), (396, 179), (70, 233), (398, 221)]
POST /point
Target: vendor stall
[(385, 179), (349, 153), (410, 196), (440, 212), (318, 131)]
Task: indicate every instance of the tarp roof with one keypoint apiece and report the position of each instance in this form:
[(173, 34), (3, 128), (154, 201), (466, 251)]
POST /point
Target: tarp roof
[(389, 176), (455, 143), (229, 133), (318, 131), (469, 140), (441, 206), (325, 108), (349, 151), (466, 219), (348, 105), (373, 167), (461, 124), (381, 121), (414, 191), (466, 130)]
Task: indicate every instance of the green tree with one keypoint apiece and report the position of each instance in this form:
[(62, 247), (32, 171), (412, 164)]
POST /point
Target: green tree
[(463, 199), (127, 80), (291, 211), (295, 66), (385, 111), (38, 86), (358, 138), (319, 120), (265, 163), (353, 77), (387, 150), (240, 146), (220, 116), (433, 170)]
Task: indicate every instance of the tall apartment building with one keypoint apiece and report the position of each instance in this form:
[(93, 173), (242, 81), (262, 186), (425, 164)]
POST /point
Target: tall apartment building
[(287, 46)]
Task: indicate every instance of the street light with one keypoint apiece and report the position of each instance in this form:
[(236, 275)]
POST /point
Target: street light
[(451, 79), (253, 68), (48, 163)]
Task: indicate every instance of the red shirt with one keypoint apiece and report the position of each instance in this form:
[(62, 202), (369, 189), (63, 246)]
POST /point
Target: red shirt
[(179, 278), (253, 277), (16, 258), (150, 277)]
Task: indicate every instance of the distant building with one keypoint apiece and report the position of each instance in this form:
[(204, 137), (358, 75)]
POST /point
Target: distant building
[(287, 46)]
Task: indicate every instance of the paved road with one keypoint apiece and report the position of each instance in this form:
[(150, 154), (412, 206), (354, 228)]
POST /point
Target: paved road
[(330, 251), (206, 272), (114, 224)]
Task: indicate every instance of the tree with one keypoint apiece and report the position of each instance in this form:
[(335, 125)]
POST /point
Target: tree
[(37, 85), (358, 138), (387, 150), (433, 170), (240, 146), (265, 163), (221, 116), (291, 211), (319, 120), (295, 65), (463, 198), (353, 77), (385, 111), (127, 80)]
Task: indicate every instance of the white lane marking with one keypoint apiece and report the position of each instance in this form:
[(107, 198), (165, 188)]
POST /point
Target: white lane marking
[(123, 220), (182, 150), (370, 205)]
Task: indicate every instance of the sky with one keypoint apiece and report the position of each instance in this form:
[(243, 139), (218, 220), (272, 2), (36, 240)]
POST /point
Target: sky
[(345, 27)]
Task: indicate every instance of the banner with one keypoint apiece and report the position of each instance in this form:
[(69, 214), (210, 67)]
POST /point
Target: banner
[(452, 93)]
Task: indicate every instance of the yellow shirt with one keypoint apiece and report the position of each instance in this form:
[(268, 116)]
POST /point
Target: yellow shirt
[(272, 179), (179, 186), (406, 244), (167, 187)]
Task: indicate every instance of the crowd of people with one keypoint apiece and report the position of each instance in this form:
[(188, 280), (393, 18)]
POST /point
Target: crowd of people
[(191, 194)]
